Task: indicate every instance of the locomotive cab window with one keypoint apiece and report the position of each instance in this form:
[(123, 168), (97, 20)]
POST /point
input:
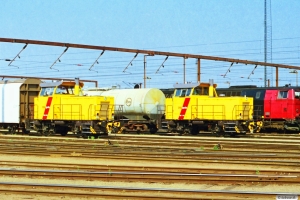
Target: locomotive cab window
[(182, 92), (205, 91), (200, 91), (47, 91), (282, 94), (197, 91), (257, 95), (188, 92), (64, 90), (297, 95)]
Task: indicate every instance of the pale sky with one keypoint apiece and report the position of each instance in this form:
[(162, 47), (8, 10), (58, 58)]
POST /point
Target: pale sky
[(228, 28)]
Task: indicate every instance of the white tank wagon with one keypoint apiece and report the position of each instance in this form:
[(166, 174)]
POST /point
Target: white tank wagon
[(17, 103), (143, 108)]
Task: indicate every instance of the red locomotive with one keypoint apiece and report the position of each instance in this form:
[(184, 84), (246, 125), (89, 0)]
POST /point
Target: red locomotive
[(275, 108)]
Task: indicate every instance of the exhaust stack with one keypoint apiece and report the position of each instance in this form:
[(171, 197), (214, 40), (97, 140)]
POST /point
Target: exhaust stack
[(76, 89)]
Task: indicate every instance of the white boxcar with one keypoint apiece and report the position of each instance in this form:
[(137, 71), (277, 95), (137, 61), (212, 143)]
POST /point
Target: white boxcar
[(17, 102)]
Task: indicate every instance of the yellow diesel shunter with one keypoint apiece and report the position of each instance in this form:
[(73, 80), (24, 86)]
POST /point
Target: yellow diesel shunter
[(61, 107), (197, 107)]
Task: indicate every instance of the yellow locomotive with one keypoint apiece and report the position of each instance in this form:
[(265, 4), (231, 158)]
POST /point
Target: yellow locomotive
[(197, 107), (61, 107)]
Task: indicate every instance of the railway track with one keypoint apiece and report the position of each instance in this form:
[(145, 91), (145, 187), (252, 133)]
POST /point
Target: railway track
[(156, 144), (62, 190), (131, 168), (281, 154), (272, 135), (149, 160), (157, 157), (158, 177), (169, 142), (147, 154)]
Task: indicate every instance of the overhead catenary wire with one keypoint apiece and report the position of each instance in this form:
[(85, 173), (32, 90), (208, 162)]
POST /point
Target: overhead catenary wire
[(58, 59), (96, 61), (18, 55), (162, 65), (130, 63), (252, 71)]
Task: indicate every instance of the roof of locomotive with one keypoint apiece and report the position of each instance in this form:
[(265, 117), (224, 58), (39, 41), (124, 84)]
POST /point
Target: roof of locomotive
[(58, 83), (254, 87), (192, 85)]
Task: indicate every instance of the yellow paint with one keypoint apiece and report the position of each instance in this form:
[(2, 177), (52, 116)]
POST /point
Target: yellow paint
[(74, 107), (210, 107)]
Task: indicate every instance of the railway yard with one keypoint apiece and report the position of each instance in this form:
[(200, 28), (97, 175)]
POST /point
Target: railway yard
[(126, 166), (62, 143)]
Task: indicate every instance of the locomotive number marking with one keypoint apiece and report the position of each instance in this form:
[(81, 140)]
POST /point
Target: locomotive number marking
[(184, 108), (46, 111)]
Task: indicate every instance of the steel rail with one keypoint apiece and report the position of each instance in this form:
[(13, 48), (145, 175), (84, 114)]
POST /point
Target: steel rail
[(256, 138), (131, 168), (249, 150), (62, 148), (171, 158), (143, 191), (150, 177), (134, 141), (123, 152)]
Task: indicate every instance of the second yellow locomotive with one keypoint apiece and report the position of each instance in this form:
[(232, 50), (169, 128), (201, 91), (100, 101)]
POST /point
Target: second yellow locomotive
[(196, 107), (61, 107)]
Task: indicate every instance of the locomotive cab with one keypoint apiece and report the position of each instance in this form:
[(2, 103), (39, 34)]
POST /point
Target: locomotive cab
[(202, 89), (61, 87)]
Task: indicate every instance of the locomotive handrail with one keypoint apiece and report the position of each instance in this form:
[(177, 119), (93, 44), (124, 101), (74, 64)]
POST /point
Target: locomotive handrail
[(201, 111)]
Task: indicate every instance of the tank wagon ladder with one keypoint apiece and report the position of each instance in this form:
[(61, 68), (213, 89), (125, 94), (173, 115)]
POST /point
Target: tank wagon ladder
[(119, 109), (161, 111)]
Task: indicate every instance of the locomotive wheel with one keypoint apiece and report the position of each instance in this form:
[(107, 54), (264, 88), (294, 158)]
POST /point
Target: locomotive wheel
[(45, 133), (40, 132), (125, 130), (64, 132), (25, 131), (115, 130), (48, 133), (195, 130), (232, 134), (153, 130), (186, 131), (12, 130), (217, 131)]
